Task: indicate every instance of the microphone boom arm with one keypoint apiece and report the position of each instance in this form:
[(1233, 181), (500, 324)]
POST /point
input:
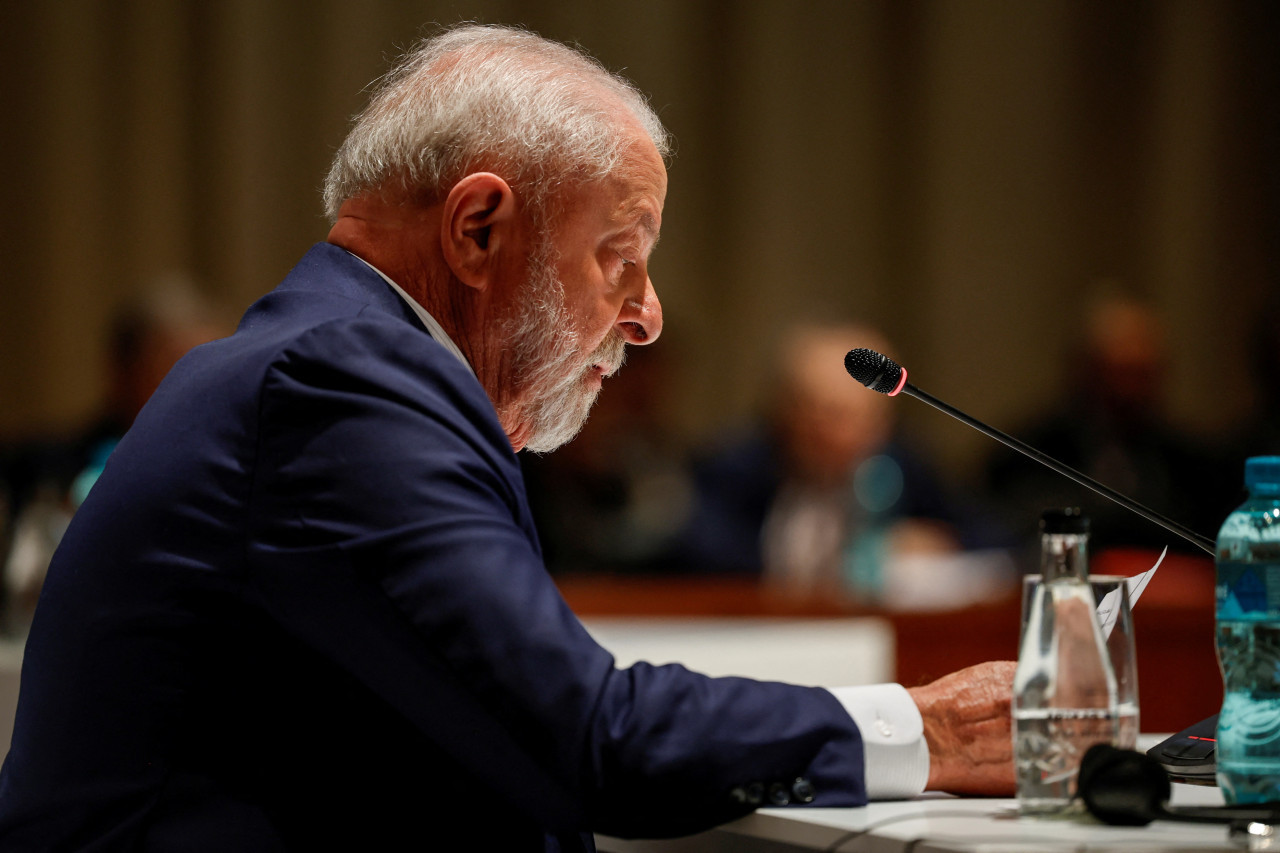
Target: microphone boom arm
[(1194, 538)]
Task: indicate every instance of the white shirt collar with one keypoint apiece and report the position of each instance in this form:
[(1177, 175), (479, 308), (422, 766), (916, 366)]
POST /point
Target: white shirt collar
[(433, 328)]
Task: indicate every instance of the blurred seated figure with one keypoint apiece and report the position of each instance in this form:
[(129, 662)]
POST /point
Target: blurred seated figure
[(826, 498), (611, 501), (45, 480), (1257, 432), (1112, 427), (1261, 433)]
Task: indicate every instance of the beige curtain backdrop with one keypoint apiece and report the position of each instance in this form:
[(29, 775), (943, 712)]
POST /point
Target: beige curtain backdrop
[(958, 172)]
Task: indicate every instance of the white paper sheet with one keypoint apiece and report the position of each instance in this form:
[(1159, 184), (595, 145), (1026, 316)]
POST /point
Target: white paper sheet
[(1109, 606)]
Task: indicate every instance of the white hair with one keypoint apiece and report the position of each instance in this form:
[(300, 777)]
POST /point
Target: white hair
[(475, 97)]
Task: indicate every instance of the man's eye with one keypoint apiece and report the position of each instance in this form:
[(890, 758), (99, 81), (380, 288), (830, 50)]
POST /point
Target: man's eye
[(626, 262)]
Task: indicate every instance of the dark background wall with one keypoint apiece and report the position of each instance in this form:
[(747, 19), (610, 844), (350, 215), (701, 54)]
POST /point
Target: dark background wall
[(959, 173)]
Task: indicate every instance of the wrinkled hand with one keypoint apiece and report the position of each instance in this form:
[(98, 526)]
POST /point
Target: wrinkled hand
[(967, 726)]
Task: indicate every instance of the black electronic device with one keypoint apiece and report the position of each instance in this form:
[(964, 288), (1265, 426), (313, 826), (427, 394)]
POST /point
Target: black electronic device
[(1190, 755)]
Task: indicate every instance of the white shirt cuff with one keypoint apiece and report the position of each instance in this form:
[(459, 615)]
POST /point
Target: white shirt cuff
[(894, 750)]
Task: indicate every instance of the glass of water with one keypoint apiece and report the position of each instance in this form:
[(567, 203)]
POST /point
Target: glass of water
[(1115, 615)]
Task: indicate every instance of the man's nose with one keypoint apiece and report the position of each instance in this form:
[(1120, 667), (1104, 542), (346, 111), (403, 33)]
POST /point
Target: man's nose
[(640, 320)]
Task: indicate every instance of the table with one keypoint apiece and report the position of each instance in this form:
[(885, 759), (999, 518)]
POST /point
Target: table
[(938, 823), (941, 824)]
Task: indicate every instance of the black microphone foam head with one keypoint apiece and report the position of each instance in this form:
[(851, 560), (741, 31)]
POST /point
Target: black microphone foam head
[(878, 372), (1123, 787)]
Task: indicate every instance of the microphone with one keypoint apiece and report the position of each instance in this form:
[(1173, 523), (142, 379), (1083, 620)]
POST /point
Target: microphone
[(1127, 788), (885, 376)]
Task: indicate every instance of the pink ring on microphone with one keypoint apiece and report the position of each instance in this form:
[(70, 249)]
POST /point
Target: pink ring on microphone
[(902, 383)]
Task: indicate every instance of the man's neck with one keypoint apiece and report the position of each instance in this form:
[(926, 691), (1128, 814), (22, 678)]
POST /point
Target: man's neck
[(403, 243)]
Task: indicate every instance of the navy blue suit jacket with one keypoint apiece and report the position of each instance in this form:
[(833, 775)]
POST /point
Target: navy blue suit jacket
[(304, 608)]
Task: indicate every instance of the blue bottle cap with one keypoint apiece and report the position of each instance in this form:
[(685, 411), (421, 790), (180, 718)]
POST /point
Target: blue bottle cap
[(1262, 474)]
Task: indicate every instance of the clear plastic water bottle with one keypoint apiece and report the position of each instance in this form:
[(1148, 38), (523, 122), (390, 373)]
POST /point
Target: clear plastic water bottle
[(1064, 690), (1248, 617)]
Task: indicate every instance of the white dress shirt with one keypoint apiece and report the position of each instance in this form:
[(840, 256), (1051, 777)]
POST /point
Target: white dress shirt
[(895, 754)]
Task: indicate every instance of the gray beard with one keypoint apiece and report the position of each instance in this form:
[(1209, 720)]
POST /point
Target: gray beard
[(548, 363)]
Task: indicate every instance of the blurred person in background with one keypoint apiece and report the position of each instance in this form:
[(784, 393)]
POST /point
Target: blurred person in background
[(1112, 426), (827, 498), (613, 499), (1261, 435), (1258, 432), (46, 480)]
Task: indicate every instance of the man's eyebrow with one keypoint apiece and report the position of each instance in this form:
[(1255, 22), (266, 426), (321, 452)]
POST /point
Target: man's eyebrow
[(640, 219), (648, 223)]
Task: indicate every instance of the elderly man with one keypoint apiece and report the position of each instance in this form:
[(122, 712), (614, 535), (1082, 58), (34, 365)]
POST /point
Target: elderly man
[(304, 608)]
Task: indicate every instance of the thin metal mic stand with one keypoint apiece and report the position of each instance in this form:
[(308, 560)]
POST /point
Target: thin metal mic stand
[(1191, 536)]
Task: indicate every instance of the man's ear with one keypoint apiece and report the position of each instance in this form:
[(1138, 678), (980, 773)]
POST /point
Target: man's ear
[(478, 223)]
